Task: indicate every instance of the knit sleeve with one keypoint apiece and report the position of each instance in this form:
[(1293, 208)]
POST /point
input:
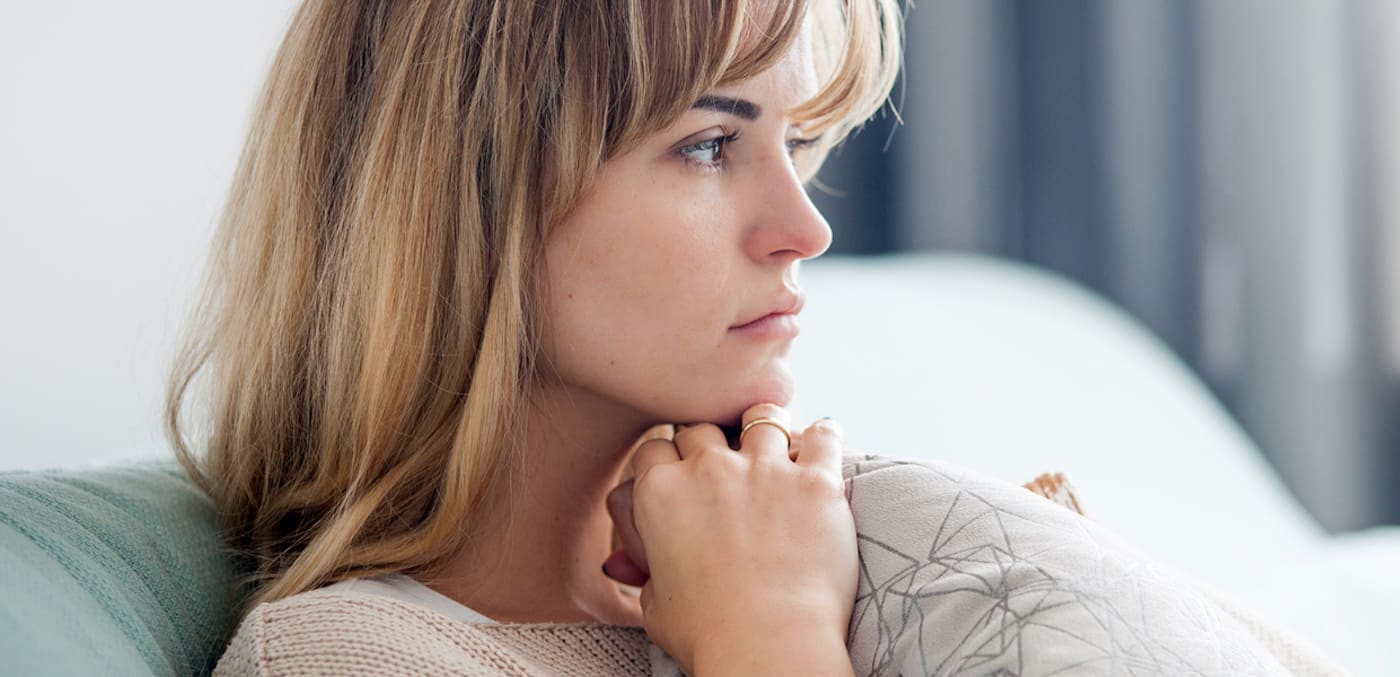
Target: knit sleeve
[(244, 655)]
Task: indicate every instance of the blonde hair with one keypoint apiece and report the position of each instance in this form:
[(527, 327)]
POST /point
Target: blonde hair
[(366, 336)]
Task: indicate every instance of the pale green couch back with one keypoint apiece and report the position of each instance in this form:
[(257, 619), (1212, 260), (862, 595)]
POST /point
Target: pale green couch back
[(115, 571)]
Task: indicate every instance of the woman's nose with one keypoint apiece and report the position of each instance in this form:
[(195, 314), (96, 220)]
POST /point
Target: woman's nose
[(788, 226)]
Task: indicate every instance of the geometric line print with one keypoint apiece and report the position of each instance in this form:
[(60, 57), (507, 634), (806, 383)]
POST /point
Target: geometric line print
[(964, 576)]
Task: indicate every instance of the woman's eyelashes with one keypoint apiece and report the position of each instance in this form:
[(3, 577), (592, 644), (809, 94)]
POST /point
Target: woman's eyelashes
[(794, 145), (709, 154)]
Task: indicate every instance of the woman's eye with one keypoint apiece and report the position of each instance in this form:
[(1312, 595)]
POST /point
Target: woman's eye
[(794, 145), (710, 152)]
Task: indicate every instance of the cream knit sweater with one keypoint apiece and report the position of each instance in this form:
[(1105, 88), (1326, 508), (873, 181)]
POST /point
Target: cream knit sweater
[(326, 632)]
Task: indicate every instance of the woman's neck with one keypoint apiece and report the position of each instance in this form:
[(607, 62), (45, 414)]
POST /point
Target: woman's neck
[(541, 560)]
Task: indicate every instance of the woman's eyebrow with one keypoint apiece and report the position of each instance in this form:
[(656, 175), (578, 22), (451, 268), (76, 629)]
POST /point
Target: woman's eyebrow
[(747, 110)]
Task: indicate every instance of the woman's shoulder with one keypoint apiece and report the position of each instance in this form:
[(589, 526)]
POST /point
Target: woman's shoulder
[(332, 631), (349, 631), (340, 609)]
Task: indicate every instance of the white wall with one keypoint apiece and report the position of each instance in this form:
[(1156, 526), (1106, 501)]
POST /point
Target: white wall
[(120, 124)]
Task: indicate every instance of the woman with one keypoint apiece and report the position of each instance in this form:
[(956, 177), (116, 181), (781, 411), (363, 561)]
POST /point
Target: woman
[(474, 251)]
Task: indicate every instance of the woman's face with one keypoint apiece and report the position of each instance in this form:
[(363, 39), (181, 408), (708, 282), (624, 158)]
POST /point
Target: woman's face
[(695, 232)]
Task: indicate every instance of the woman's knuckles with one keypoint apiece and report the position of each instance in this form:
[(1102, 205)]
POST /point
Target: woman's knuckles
[(822, 485)]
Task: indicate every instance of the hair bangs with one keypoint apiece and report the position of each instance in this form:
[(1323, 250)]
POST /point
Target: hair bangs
[(856, 45), (676, 51), (763, 46)]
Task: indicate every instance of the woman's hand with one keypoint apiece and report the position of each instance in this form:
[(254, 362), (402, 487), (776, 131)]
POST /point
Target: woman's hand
[(628, 563), (749, 553)]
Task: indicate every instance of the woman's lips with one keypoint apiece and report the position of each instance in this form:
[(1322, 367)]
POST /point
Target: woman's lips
[(787, 304), (771, 326)]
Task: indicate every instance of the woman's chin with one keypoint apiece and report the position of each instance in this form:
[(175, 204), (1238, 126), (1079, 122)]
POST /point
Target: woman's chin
[(724, 404), (778, 389)]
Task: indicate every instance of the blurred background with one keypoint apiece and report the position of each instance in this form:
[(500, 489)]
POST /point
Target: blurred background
[(1224, 170), (1227, 171)]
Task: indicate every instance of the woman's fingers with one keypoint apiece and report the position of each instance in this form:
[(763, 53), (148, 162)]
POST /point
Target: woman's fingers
[(767, 435), (693, 437), (619, 504), (620, 567), (628, 564), (795, 449), (653, 452), (822, 445)]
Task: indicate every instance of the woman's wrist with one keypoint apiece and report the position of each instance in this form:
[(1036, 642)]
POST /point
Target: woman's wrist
[(778, 649)]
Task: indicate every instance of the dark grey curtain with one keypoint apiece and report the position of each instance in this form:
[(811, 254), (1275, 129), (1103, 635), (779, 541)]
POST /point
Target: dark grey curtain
[(1226, 171)]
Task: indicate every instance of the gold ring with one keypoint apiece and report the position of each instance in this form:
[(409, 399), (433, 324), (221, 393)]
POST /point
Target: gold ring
[(770, 421)]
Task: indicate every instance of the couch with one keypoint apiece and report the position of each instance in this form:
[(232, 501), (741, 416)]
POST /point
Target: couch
[(118, 569)]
